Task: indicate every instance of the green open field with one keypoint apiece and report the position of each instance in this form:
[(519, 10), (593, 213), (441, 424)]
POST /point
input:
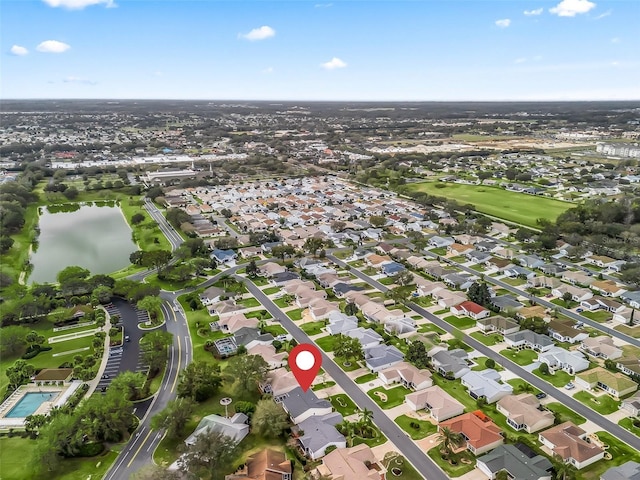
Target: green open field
[(511, 206)]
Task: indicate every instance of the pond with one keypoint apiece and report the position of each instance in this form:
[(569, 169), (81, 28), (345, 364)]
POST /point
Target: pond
[(94, 237)]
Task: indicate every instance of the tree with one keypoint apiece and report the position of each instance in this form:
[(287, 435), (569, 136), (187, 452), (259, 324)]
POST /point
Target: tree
[(248, 371), (377, 221), (102, 294), (129, 384), (72, 273), (154, 347), (12, 340), (338, 225), (351, 309), (535, 324), (348, 348), (448, 439), (151, 304), (312, 245), (417, 354), (174, 417), (479, 293), (33, 338), (403, 277), (490, 363), (282, 251), (269, 419), (33, 423), (5, 244), (199, 381), (20, 372), (158, 259), (71, 193), (137, 218), (398, 294), (209, 456), (566, 297), (544, 368), (565, 471), (252, 269)]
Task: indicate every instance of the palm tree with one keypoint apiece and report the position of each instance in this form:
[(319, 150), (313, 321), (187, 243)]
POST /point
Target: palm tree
[(566, 471), (525, 388), (448, 438), (364, 422)]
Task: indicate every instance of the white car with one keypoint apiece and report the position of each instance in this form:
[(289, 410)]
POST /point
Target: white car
[(569, 386)]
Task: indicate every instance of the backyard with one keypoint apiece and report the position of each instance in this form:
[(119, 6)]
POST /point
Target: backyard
[(521, 357)]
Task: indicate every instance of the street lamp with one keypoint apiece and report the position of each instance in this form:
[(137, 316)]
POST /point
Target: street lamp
[(225, 401)]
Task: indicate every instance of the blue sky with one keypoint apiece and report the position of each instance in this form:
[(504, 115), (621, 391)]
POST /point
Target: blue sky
[(321, 50)]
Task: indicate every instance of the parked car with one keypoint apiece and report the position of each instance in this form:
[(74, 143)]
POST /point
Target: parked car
[(105, 376), (579, 310), (541, 395), (126, 338), (569, 386)]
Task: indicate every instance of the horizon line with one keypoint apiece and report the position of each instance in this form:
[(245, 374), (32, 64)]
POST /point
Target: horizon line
[(315, 101)]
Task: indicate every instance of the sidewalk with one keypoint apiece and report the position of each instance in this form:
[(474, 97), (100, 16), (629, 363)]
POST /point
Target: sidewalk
[(93, 384)]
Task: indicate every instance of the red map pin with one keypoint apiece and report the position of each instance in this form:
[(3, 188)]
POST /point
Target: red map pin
[(305, 362)]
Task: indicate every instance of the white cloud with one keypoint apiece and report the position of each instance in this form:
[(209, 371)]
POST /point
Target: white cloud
[(571, 8), (261, 33), (78, 4), (268, 70), (53, 46), (603, 15), (615, 40), (537, 11), (83, 81), (158, 73), (334, 63), (323, 5), (520, 60), (503, 23), (19, 50)]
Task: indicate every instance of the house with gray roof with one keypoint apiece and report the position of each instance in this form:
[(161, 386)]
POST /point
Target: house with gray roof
[(627, 471), (382, 356), (368, 338), (235, 427), (528, 339), (530, 261), (440, 242), (301, 405), (250, 337), (319, 433), (632, 298), (516, 463), (485, 383), (503, 302), (223, 256), (558, 358), (454, 361), (517, 271), (498, 324), (477, 257), (341, 323), (461, 281)]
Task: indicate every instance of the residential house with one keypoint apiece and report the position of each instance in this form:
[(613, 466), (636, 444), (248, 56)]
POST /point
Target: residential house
[(224, 256), (543, 282), (280, 279), (608, 288), (632, 298), (318, 433), (320, 308), (601, 346), (225, 307), (628, 317), (447, 299), (440, 242), (528, 339), (270, 269), (440, 405), (400, 326), (426, 288), (478, 431), (300, 405), (449, 362), (304, 297), (376, 261), (355, 463), (250, 337), (577, 278), (632, 405), (530, 261), (505, 302), (212, 295), (567, 440), (519, 272), (601, 261), (470, 309), (382, 356), (341, 323), (485, 383), (408, 375), (367, 337), (279, 383), (557, 358), (477, 257), (613, 383), (269, 354), (340, 289), (627, 471), (523, 413), (629, 366), (498, 324), (292, 287), (459, 281), (235, 427), (457, 249), (267, 464), (565, 331), (578, 294), (235, 321), (610, 305), (499, 264), (534, 311), (552, 269), (517, 464)]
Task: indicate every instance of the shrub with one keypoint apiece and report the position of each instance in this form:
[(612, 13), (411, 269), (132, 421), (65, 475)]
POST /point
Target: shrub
[(90, 449)]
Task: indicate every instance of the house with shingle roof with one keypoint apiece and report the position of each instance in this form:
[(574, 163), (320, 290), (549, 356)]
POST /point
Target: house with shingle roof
[(235, 427), (449, 361), (382, 356), (487, 384), (300, 405), (601, 346), (355, 463), (470, 309), (408, 375), (440, 405), (629, 366), (523, 412), (318, 433), (567, 440), (279, 383), (479, 432), (267, 464), (627, 471), (608, 288), (528, 339), (517, 464), (498, 324), (613, 383), (566, 331), (570, 361)]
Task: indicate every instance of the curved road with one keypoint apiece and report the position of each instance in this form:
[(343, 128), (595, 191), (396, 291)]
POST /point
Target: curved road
[(537, 382)]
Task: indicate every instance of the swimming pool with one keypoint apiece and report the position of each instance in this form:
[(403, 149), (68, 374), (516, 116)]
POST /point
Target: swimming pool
[(30, 403)]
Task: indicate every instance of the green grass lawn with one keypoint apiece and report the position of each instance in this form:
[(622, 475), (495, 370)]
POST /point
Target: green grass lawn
[(565, 414), (425, 428), (271, 290), (461, 323), (320, 386), (457, 470), (598, 315), (353, 365), (377, 439), (628, 424), (395, 396), (603, 404), (558, 379), (274, 330), (512, 206), (481, 365), (514, 282), (367, 377), (295, 314), (407, 470), (517, 383), (343, 404), (170, 285), (439, 251), (313, 328), (248, 302), (326, 343), (627, 330), (198, 321), (430, 327), (386, 281), (620, 453), (16, 462), (281, 302), (488, 340), (521, 357)]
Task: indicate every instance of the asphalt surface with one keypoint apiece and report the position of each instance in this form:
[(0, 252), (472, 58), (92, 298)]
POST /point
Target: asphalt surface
[(578, 407), (402, 441), (541, 301)]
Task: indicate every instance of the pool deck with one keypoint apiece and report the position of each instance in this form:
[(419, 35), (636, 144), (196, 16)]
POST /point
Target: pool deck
[(63, 394)]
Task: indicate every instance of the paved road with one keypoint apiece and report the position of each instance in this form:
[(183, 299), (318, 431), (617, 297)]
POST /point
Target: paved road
[(405, 445), (541, 301), (537, 382), (174, 237)]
